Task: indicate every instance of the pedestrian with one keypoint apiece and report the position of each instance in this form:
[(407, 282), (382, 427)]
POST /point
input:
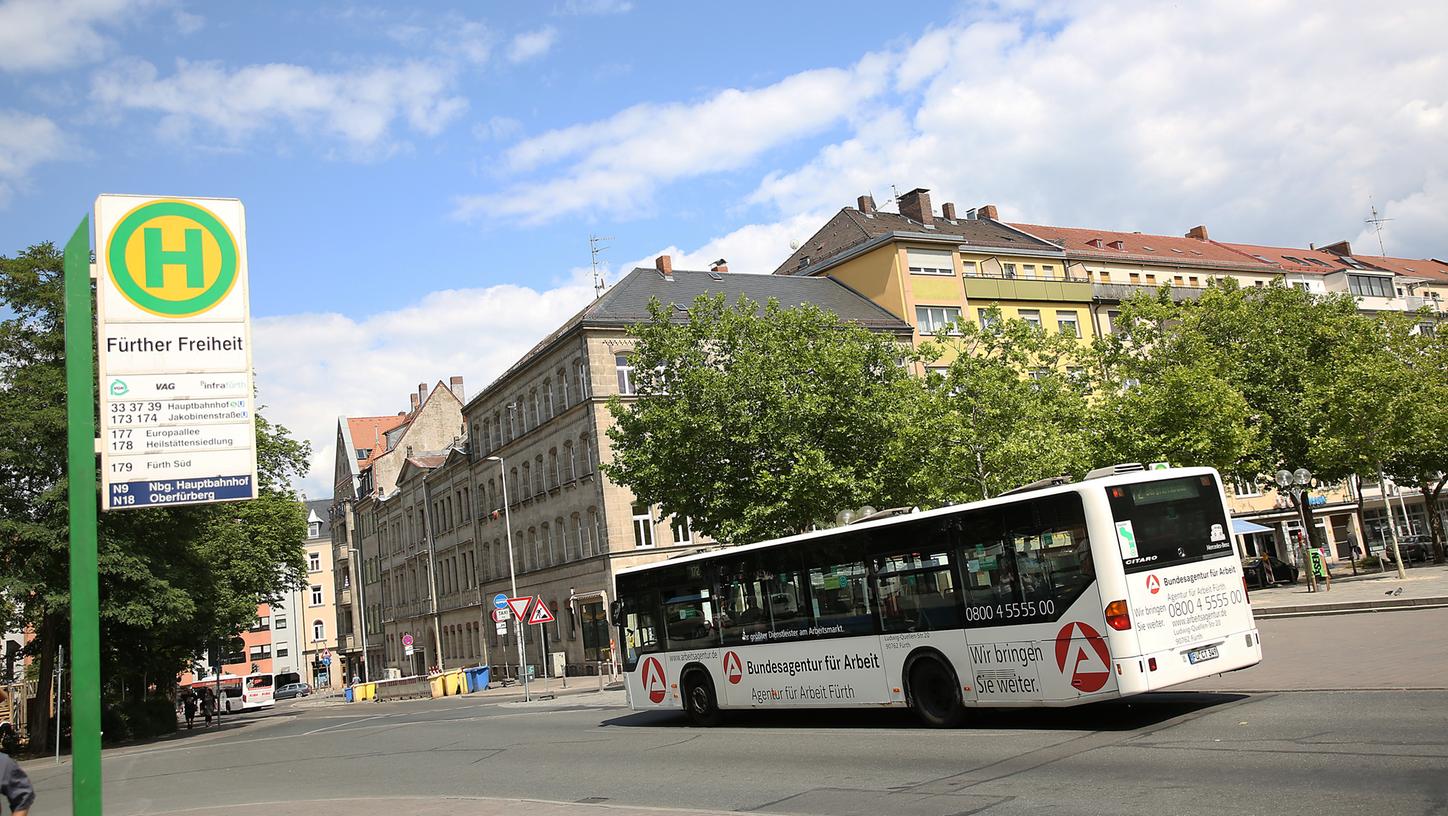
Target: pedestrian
[(188, 702), (208, 706), (356, 679), (15, 786)]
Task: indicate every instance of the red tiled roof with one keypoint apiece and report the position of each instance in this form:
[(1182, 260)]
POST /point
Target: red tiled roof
[(1142, 248), (1428, 268), (370, 433), (1293, 259)]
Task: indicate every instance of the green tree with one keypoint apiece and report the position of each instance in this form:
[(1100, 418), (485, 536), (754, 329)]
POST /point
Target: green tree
[(1163, 394), (758, 422), (1006, 410), (1381, 397), (172, 580)]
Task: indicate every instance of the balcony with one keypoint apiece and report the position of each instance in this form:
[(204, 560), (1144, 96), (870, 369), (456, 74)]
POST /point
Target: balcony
[(992, 289), (344, 598)]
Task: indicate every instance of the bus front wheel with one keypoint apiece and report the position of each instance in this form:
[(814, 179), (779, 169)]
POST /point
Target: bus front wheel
[(700, 704), (934, 694)]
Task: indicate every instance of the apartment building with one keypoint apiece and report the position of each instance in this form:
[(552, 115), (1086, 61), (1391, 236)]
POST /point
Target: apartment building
[(371, 452), (931, 269), (523, 496)]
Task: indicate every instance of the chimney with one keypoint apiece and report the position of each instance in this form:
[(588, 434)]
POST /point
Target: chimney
[(988, 212), (665, 265), (415, 403), (421, 393), (866, 203), (1339, 248), (1198, 232), (947, 211), (915, 205), (455, 385), (720, 266)]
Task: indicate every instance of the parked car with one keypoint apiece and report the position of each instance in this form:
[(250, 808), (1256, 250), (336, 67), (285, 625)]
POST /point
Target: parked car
[(1255, 570), (291, 690), (1415, 548)]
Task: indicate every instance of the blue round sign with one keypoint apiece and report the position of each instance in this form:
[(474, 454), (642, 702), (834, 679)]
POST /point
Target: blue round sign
[(500, 601)]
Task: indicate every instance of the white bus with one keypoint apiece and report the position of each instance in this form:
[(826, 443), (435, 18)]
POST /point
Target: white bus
[(1049, 596)]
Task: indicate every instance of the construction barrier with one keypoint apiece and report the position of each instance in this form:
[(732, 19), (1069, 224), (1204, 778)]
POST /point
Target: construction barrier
[(437, 686), (402, 688), (455, 683), (367, 691)]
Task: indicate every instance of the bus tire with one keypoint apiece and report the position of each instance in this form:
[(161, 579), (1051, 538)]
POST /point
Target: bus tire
[(934, 694), (700, 703)]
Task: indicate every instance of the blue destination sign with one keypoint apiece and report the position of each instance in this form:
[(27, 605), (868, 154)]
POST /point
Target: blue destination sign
[(156, 492)]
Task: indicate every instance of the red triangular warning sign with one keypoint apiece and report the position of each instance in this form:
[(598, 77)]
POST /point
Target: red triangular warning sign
[(541, 614), (520, 606)]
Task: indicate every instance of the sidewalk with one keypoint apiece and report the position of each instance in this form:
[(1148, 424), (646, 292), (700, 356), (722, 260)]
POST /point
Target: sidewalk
[(496, 692), (1424, 587)]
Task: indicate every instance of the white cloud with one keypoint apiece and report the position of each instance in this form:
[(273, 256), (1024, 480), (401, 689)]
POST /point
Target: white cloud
[(48, 35), (751, 249), (1269, 122), (25, 141), (313, 367), (500, 128), (594, 7), (616, 163), (360, 106), (532, 44), (449, 35)]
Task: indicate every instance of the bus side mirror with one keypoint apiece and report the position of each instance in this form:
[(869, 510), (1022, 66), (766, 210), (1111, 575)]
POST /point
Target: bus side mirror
[(615, 610)]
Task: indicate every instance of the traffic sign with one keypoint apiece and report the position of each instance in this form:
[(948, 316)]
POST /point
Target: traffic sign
[(541, 613), (520, 606), (502, 628), (177, 419), (500, 615), (407, 640), (500, 601)]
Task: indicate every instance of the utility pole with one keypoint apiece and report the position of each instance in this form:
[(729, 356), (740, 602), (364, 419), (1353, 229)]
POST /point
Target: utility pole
[(1377, 224)]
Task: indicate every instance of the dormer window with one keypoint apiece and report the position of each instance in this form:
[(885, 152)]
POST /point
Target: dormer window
[(1121, 245), (1095, 242)]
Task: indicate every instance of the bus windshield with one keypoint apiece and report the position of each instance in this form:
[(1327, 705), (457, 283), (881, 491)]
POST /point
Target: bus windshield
[(1170, 521)]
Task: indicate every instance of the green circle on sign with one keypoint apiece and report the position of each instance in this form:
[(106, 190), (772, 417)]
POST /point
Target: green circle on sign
[(137, 294)]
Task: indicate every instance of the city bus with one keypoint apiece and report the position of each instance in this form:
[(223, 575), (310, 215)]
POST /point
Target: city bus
[(1056, 594), (258, 691)]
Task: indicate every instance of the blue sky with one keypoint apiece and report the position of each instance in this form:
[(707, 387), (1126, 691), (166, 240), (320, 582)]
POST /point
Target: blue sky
[(421, 182)]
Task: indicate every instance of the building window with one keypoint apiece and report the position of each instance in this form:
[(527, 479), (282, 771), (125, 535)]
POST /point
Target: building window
[(930, 319), (1135, 278), (261, 652), (363, 453), (1028, 271), (581, 373), (1370, 286), (548, 399), (562, 390), (1066, 322), (314, 529), (319, 630), (261, 624), (987, 320), (314, 561), (643, 524), (625, 371), (279, 622), (971, 270), (1245, 488), (683, 530), (1031, 316), (1048, 272), (316, 594), (1008, 270), (283, 651), (930, 261)]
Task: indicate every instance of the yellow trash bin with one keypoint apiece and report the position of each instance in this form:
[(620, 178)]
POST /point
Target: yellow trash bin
[(439, 688), (367, 691), (456, 683)]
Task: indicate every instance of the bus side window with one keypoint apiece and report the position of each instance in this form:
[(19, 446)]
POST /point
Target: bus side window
[(640, 621), (759, 597), (1053, 554), (689, 609), (987, 567), (839, 587)]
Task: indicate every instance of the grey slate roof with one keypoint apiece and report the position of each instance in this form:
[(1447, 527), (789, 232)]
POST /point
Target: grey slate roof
[(323, 509), (627, 303), (850, 227)]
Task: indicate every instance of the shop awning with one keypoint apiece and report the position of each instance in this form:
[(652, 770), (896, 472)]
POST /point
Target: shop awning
[(1243, 527)]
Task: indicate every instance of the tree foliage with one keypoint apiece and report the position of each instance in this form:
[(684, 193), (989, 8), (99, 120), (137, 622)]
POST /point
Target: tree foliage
[(758, 421), (172, 580)]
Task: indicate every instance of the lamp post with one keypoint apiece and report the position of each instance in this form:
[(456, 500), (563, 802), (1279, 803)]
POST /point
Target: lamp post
[(520, 626), (1297, 481), (361, 608)]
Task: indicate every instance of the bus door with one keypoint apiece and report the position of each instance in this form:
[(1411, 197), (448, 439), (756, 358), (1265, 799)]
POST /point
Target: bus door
[(1183, 577)]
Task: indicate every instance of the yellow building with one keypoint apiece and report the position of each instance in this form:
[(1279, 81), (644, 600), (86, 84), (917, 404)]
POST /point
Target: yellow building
[(932, 269)]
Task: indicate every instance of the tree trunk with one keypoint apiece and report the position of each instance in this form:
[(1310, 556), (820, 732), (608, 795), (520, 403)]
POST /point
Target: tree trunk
[(1435, 519), (42, 724)]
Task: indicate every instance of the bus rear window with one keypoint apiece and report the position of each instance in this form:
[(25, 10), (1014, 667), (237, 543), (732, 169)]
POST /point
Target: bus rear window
[(1171, 521)]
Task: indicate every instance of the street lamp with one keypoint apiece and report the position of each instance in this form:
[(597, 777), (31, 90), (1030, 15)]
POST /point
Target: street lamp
[(512, 573), (1296, 482)]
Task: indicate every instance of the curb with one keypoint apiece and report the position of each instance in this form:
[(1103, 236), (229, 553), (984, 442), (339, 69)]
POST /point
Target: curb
[(1351, 607)]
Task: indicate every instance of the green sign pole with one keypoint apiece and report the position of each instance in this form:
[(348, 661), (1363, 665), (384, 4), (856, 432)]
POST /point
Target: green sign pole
[(85, 636)]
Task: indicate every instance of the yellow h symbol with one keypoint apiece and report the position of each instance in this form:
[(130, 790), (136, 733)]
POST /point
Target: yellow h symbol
[(157, 259)]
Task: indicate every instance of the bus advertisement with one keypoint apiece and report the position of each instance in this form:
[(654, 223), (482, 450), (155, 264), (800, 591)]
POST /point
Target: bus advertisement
[(1056, 596)]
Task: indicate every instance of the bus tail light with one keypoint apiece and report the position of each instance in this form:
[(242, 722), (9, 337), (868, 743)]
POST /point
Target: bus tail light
[(1151, 663), (1117, 617), (1246, 593)]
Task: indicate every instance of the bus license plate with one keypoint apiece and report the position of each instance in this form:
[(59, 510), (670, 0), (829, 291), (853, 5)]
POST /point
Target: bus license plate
[(1201, 655)]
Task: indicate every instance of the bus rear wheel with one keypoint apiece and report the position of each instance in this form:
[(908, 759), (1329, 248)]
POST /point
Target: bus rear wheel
[(934, 694), (700, 704)]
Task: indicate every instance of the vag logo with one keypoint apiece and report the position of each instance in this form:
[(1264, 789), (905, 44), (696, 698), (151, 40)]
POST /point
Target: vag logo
[(172, 258)]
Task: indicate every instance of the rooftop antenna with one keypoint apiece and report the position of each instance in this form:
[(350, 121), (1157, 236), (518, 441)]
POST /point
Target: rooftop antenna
[(1377, 222), (596, 246)]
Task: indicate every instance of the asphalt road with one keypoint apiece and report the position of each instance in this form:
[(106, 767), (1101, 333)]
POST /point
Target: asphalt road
[(1277, 752)]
